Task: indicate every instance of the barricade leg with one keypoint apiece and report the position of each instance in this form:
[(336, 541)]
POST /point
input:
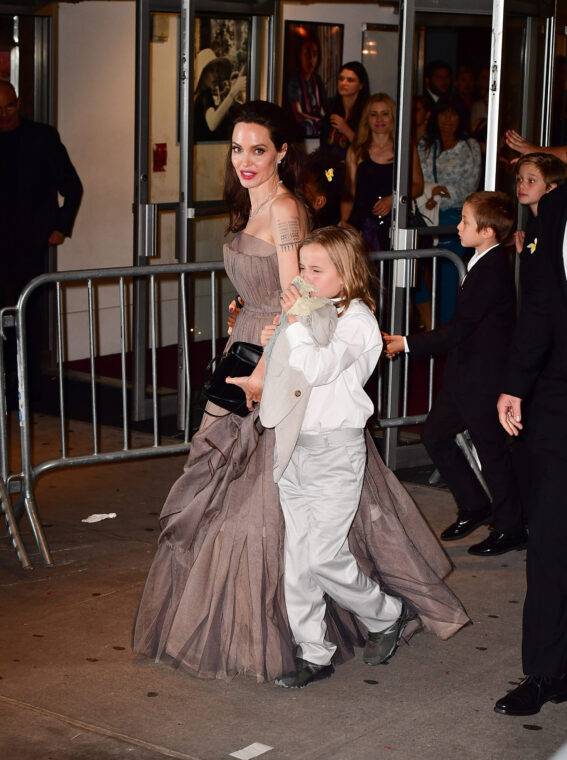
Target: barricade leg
[(13, 530)]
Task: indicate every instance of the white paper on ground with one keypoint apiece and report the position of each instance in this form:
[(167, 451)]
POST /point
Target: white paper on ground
[(252, 750), (98, 518)]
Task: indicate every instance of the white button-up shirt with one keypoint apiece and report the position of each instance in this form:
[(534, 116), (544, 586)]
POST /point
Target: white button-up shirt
[(338, 371)]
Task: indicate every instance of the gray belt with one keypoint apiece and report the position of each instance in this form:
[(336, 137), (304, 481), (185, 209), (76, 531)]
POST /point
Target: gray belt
[(325, 440)]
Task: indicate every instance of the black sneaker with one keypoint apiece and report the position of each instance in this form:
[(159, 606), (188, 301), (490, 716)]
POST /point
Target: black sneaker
[(382, 645), (307, 673)]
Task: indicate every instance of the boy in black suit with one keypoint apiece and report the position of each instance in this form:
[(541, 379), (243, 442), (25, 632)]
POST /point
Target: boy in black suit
[(477, 339)]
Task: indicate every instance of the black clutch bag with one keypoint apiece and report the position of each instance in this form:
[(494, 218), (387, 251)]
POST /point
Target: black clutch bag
[(239, 361)]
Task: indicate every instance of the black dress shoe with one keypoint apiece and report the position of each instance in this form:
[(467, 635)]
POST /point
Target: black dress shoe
[(465, 525), (531, 694), (307, 673), (500, 543)]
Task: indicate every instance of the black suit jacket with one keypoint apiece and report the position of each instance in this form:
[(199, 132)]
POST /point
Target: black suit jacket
[(538, 359), (44, 170), (478, 336)]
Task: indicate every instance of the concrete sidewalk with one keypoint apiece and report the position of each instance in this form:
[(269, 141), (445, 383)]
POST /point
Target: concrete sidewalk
[(71, 689)]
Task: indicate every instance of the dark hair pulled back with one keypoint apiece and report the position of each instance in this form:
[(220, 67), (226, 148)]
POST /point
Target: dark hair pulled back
[(281, 132)]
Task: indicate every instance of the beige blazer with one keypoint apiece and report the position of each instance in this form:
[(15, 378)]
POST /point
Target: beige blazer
[(286, 391)]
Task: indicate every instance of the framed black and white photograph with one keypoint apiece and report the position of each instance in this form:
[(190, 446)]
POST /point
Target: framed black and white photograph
[(312, 57), (221, 74)]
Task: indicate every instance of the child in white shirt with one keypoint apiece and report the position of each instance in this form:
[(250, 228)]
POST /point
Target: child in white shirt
[(320, 487)]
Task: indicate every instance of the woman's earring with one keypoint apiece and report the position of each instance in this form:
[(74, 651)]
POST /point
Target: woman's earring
[(279, 162)]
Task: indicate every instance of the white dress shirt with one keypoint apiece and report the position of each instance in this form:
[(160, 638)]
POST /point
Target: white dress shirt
[(337, 371)]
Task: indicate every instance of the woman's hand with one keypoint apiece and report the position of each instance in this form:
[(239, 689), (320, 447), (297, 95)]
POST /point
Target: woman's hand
[(341, 125), (289, 296), (338, 123), (518, 143), (383, 206), (441, 190), (519, 239), (233, 308), (268, 331)]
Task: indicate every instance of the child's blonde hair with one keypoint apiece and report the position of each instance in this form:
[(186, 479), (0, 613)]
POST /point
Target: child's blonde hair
[(348, 253), (551, 168)]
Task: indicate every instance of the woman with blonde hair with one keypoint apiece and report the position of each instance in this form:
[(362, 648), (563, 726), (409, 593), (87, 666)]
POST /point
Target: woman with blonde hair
[(367, 203)]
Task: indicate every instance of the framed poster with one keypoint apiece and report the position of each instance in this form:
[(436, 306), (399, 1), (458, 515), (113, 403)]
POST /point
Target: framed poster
[(221, 69), (312, 57)]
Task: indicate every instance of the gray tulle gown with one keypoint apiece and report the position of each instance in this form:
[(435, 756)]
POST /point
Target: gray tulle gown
[(213, 601)]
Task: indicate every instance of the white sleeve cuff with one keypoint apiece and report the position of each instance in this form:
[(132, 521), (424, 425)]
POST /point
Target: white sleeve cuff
[(296, 334)]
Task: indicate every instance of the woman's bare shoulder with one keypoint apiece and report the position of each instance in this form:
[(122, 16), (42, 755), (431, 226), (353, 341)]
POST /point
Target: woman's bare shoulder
[(288, 206), (286, 203)]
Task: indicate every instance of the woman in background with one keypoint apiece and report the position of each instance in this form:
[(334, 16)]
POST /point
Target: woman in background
[(344, 111), (367, 203), (452, 163)]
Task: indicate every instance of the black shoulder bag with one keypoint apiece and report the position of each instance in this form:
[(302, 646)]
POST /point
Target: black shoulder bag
[(239, 361)]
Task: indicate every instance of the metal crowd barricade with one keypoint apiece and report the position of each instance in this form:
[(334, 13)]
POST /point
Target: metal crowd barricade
[(8, 483), (30, 472), (393, 315), (396, 319)]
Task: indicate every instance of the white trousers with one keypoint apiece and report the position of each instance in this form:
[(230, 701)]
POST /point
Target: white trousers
[(319, 493)]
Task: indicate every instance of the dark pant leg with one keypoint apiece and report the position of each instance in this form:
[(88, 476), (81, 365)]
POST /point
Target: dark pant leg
[(544, 645), (493, 452), (438, 435)]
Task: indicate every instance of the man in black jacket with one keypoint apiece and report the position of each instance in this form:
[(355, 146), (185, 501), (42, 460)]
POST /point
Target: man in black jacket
[(35, 169), (477, 339), (538, 375)]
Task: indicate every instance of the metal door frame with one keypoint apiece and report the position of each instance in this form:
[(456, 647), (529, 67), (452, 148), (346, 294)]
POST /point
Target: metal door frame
[(187, 210)]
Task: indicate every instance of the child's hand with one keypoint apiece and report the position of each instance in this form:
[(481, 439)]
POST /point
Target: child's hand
[(268, 331), (394, 345), (233, 309), (252, 387), (289, 296), (519, 239)]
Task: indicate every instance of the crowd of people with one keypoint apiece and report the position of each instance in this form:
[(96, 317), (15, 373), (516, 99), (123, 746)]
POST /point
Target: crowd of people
[(357, 129), (286, 542)]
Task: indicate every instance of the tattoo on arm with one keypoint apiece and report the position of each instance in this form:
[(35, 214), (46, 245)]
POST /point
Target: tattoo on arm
[(289, 234)]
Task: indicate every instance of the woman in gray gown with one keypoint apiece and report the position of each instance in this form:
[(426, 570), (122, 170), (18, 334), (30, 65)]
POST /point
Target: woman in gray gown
[(213, 601)]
